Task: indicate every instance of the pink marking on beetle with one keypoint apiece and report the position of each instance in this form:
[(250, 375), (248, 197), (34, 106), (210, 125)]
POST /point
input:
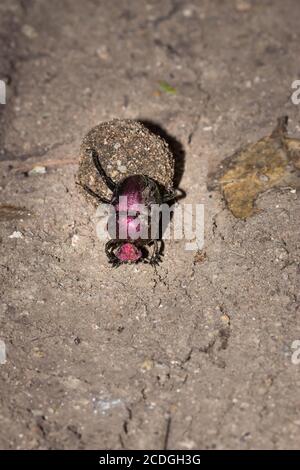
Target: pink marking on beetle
[(128, 252)]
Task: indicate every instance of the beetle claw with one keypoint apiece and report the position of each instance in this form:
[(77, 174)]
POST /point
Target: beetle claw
[(155, 261)]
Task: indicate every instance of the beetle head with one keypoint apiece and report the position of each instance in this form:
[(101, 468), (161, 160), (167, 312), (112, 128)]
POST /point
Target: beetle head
[(129, 253)]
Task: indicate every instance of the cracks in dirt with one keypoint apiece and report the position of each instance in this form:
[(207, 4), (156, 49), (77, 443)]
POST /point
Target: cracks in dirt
[(8, 44), (41, 426), (74, 431), (193, 131), (13, 44), (288, 262), (170, 50), (125, 426), (31, 56), (25, 5), (126, 423), (45, 430), (121, 441), (215, 227), (224, 414), (158, 279), (38, 152), (224, 335), (164, 280), (269, 381), (188, 357), (136, 294), (218, 343), (204, 105), (175, 7)]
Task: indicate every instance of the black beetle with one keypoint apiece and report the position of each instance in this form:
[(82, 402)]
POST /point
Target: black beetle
[(137, 190)]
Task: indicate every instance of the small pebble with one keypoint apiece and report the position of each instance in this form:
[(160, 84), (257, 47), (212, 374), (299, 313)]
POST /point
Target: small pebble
[(37, 413), (264, 178), (102, 53), (37, 170), (242, 6), (122, 168), (29, 31), (16, 234), (147, 364), (225, 319), (187, 12)]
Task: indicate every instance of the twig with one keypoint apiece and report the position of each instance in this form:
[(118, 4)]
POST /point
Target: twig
[(47, 163), (167, 433)]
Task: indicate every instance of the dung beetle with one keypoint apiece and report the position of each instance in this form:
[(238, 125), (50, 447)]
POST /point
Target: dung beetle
[(132, 191)]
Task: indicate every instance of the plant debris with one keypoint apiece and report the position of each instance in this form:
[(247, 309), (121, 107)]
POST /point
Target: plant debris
[(167, 88), (200, 257), (10, 212), (273, 161), (54, 162)]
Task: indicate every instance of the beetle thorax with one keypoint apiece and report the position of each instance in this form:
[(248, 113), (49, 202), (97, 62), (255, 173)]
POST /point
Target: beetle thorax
[(132, 204)]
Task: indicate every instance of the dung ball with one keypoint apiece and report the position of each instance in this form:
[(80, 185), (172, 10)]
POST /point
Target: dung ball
[(125, 147)]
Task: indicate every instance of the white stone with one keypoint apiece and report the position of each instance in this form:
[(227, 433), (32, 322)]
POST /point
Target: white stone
[(2, 352), (16, 234)]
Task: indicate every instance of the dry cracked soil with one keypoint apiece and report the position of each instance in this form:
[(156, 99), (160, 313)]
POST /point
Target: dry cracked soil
[(197, 353)]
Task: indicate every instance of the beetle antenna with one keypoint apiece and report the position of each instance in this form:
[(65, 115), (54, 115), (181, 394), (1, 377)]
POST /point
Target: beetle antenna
[(92, 193)]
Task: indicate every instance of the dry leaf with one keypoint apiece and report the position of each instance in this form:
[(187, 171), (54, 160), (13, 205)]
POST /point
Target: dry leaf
[(273, 161)]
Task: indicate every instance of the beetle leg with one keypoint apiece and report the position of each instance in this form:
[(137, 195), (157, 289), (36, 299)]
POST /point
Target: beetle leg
[(168, 196), (107, 179), (110, 246), (173, 194), (157, 253), (93, 194)]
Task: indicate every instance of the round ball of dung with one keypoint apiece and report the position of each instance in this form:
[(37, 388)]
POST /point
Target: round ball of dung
[(124, 147)]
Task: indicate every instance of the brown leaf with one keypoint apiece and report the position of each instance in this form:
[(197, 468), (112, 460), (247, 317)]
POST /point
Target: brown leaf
[(273, 161)]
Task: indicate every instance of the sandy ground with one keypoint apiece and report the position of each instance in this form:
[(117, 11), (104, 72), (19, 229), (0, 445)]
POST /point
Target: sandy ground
[(195, 354)]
